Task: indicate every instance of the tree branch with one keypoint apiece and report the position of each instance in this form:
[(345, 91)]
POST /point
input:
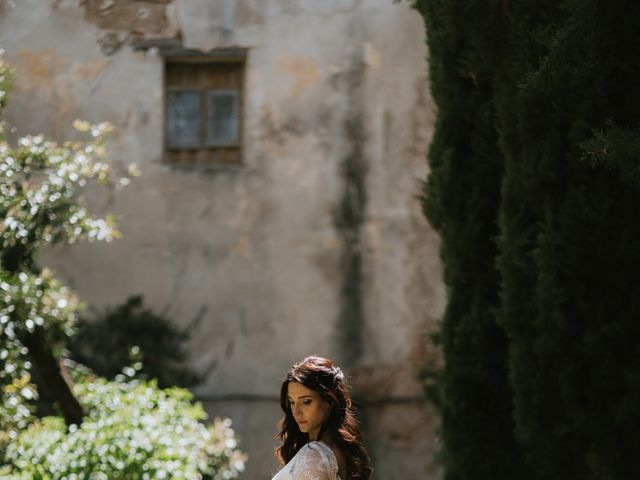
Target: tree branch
[(54, 374)]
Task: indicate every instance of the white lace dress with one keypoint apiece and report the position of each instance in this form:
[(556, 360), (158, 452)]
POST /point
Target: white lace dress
[(314, 461)]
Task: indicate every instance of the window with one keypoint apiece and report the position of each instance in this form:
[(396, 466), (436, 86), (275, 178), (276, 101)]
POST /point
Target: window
[(203, 120)]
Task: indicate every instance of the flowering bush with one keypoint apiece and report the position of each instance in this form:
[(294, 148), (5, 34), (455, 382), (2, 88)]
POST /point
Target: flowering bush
[(132, 430), (41, 203), (115, 430)]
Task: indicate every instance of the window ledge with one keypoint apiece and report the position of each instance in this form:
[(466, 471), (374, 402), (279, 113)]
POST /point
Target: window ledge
[(170, 47)]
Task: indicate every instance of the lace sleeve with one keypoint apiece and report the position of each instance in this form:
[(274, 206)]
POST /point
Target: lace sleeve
[(315, 461)]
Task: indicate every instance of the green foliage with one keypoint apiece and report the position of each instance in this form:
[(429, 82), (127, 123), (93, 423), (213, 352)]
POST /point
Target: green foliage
[(133, 430), (570, 241), (40, 183), (29, 301), (560, 81), (39, 195), (616, 149), (104, 344), (41, 203), (461, 200)]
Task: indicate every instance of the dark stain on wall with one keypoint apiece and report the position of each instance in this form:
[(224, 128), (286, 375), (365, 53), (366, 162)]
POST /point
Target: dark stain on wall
[(349, 217)]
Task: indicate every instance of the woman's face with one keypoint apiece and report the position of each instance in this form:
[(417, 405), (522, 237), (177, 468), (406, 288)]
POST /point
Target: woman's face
[(309, 409)]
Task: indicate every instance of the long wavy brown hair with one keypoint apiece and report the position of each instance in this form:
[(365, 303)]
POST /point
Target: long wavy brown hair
[(323, 376)]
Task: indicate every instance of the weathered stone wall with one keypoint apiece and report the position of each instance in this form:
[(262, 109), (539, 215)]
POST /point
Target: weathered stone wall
[(316, 244)]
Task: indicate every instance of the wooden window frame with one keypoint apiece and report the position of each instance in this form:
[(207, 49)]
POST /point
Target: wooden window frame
[(203, 155)]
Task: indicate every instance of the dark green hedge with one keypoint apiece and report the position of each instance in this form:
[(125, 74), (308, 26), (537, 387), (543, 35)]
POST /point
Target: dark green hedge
[(462, 197), (535, 191)]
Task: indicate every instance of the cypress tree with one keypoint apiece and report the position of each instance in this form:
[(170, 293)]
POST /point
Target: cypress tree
[(557, 167), (570, 239), (462, 195)]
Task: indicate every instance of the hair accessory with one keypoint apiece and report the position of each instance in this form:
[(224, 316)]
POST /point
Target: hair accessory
[(337, 373)]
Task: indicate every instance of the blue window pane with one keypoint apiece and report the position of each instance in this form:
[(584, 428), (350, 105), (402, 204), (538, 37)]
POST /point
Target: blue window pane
[(183, 119), (223, 122)]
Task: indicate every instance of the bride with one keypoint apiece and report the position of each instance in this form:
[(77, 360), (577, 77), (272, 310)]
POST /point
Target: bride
[(319, 432)]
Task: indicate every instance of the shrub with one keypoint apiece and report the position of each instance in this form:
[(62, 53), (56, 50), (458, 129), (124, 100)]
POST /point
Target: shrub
[(104, 344), (132, 430)]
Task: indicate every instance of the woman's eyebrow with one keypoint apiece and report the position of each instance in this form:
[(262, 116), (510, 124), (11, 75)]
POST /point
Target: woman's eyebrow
[(303, 396)]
